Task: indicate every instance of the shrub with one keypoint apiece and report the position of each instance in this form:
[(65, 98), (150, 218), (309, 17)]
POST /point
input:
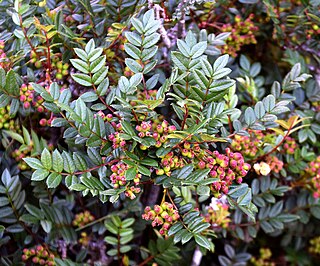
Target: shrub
[(131, 137)]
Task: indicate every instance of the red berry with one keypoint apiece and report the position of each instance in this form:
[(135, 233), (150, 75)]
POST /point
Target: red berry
[(43, 122)]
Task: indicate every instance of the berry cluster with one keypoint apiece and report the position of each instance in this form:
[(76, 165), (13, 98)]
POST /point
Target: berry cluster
[(158, 131), (107, 117), (164, 215), (34, 59), (264, 259), (292, 34), (169, 163), (275, 164), (84, 239), (290, 145), (144, 95), (118, 179), (313, 170), (4, 61), (313, 31), (115, 35), (227, 168), (117, 141), (29, 98), (45, 122), (23, 152), (82, 218), (5, 121), (128, 73), (26, 95), (242, 33), (249, 146), (218, 214), (315, 245), (297, 36), (38, 256), (132, 191), (59, 69)]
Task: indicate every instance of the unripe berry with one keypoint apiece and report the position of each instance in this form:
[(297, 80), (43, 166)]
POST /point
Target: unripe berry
[(23, 98), (26, 105), (59, 65), (171, 129), (158, 209), (42, 3), (40, 109), (201, 164), (37, 64), (43, 122), (33, 54), (159, 129), (164, 214), (185, 152), (159, 171), (187, 145)]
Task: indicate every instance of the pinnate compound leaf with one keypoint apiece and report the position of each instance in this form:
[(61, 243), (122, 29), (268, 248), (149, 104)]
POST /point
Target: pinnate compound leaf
[(202, 241)]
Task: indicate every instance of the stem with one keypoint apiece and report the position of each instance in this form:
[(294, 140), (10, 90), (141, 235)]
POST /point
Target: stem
[(26, 36), (185, 117), (103, 101), (48, 57), (146, 260), (145, 87), (206, 24), (17, 215), (84, 171), (113, 43), (94, 222), (164, 195), (83, 123), (229, 119), (118, 249), (276, 147), (100, 220), (174, 205), (230, 124), (135, 116)]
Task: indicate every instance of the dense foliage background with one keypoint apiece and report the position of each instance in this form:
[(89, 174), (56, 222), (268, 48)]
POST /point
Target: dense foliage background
[(159, 132)]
